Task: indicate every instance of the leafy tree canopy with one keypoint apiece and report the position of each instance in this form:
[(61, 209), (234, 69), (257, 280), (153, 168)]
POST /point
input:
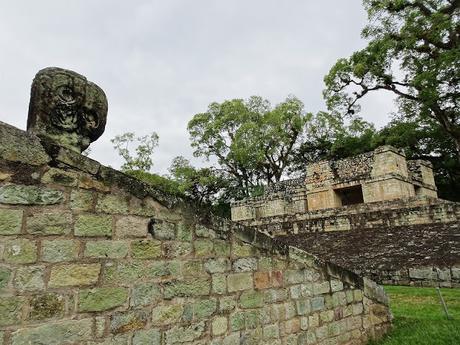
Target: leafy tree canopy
[(252, 142), (413, 51), (141, 159)]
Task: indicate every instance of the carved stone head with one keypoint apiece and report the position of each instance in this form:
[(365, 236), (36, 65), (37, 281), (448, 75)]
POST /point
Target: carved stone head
[(66, 108)]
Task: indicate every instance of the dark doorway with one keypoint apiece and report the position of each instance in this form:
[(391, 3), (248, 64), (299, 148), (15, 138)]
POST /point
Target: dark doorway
[(350, 195)]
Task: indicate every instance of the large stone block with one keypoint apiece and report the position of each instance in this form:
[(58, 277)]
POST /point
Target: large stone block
[(239, 281), (132, 226), (74, 275), (112, 204), (167, 314), (128, 321), (10, 221), (29, 195), (59, 250), (99, 299), (46, 306), (11, 309), (49, 223), (20, 251), (92, 225), (55, 333), (146, 249), (29, 278), (106, 249)]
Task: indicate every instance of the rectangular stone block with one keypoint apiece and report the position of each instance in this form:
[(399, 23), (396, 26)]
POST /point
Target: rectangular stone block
[(50, 223), (74, 275), (92, 225), (11, 310), (46, 306), (128, 321), (99, 299), (132, 226), (239, 281), (20, 251), (55, 333), (59, 250), (29, 278), (146, 249), (189, 288), (114, 204), (106, 249), (10, 221)]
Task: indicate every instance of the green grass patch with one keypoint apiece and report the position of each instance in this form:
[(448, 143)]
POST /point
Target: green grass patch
[(419, 318)]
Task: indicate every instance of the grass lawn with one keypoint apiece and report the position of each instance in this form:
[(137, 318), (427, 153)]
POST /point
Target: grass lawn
[(419, 318)]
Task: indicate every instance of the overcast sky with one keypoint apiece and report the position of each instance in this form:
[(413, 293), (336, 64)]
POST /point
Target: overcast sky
[(161, 62)]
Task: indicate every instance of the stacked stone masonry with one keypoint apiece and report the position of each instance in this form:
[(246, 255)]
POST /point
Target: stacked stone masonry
[(91, 256), (378, 176)]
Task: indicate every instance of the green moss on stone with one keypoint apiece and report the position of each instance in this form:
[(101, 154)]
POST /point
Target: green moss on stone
[(100, 299), (10, 221)]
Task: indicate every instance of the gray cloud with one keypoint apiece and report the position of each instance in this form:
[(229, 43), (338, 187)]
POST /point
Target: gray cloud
[(161, 62)]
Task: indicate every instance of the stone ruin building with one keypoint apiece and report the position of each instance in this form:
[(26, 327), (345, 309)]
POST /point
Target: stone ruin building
[(89, 255), (377, 214)]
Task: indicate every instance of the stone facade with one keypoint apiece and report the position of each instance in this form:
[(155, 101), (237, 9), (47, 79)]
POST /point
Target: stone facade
[(91, 256), (377, 176), (420, 255)]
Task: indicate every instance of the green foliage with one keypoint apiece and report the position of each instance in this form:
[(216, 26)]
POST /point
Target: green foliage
[(419, 318), (162, 183), (413, 51), (252, 142), (142, 160)]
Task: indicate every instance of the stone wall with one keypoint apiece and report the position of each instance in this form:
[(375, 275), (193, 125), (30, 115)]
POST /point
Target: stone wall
[(417, 210), (91, 256), (420, 255)]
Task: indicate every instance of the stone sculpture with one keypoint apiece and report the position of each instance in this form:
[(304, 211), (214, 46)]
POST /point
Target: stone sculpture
[(66, 108)]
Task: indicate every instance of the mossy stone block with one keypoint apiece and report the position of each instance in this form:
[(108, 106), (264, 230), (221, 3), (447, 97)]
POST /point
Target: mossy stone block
[(10, 221), (99, 299), (92, 225), (20, 251)]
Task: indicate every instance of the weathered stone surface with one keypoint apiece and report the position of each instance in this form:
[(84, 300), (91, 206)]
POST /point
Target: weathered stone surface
[(144, 294), (29, 195), (164, 230), (132, 226), (128, 321), (19, 146), (29, 278), (167, 314), (11, 310), (10, 221), (251, 299), (49, 223), (99, 299), (191, 287), (109, 203), (61, 177), (92, 225), (147, 337), (66, 108), (56, 333), (146, 249), (5, 276), (78, 161), (81, 200), (239, 281), (46, 306), (106, 249), (179, 334), (59, 250), (219, 325), (245, 265), (74, 275), (20, 251), (218, 265)]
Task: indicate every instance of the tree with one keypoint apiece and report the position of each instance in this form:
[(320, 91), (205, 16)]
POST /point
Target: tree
[(329, 136), (204, 185), (413, 52), (142, 160), (251, 141)]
